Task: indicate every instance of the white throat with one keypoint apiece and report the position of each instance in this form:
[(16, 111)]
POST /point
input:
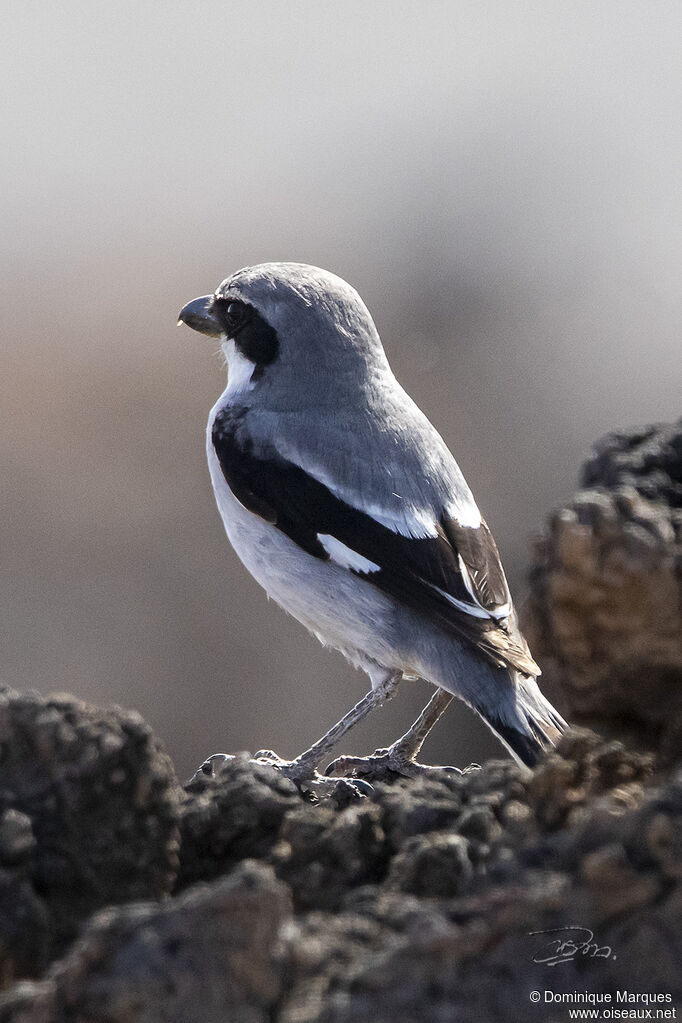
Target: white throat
[(239, 369)]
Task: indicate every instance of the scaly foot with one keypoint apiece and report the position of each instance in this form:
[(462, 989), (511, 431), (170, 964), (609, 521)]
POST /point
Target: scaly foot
[(309, 781), (384, 762), (303, 770), (306, 778)]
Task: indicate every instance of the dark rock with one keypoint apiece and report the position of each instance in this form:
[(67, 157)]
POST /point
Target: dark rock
[(25, 931), (88, 807), (388, 924), (437, 865), (419, 805), (17, 841), (235, 816), (615, 885), (444, 898), (323, 853), (212, 954)]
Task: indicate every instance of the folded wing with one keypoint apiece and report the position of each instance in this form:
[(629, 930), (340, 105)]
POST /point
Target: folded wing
[(454, 577)]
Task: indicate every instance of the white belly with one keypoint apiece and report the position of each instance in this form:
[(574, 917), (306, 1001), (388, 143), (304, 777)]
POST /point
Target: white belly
[(341, 610)]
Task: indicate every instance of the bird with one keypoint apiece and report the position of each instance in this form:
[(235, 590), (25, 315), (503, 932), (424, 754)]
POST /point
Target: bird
[(345, 504)]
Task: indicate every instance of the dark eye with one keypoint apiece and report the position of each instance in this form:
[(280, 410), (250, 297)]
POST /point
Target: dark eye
[(232, 314)]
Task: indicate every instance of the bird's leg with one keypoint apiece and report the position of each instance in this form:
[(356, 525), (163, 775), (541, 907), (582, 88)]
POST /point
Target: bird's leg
[(307, 762), (400, 757), (303, 770)]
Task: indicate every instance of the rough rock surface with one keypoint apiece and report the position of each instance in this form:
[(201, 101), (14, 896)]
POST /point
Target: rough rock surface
[(210, 955), (126, 899), (605, 615), (88, 816), (416, 903)]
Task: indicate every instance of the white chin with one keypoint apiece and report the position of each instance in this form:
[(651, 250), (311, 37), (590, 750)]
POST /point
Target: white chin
[(239, 368)]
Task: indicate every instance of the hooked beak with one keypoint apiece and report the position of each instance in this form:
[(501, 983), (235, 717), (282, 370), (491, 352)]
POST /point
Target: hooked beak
[(199, 315)]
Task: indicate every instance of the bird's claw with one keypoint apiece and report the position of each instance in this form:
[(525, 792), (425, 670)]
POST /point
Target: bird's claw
[(211, 767), (268, 756), (310, 783)]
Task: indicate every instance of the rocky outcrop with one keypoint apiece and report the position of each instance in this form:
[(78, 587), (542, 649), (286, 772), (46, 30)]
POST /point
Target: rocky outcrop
[(88, 817), (419, 902), (605, 615), (125, 898), (212, 954)]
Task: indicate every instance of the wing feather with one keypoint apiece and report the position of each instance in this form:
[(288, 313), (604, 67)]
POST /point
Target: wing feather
[(455, 578)]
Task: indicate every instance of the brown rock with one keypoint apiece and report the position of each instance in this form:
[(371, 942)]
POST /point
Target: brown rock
[(605, 614)]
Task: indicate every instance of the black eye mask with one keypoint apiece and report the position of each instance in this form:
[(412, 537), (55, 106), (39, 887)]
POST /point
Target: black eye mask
[(253, 336)]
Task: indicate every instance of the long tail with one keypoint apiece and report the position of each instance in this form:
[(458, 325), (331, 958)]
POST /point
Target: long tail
[(524, 720)]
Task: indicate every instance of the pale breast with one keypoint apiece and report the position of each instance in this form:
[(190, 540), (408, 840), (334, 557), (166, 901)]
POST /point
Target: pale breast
[(341, 611)]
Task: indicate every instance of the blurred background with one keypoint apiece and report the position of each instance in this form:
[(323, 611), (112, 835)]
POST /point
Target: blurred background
[(500, 181)]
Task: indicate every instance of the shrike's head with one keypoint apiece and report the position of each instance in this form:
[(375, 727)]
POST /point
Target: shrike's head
[(295, 333)]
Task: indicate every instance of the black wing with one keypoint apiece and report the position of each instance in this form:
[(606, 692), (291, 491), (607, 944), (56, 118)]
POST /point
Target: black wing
[(455, 578)]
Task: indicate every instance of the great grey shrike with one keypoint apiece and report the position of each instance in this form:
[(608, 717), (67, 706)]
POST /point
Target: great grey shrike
[(344, 503)]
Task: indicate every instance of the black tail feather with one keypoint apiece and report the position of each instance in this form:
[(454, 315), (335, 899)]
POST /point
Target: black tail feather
[(526, 722), (526, 748)]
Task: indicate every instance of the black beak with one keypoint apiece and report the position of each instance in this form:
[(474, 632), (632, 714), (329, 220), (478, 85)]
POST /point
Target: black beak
[(199, 315)]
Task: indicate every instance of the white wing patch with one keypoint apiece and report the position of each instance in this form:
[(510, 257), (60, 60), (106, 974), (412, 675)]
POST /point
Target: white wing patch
[(476, 610), (417, 523), (470, 609), (412, 521), (408, 519), (465, 512), (344, 556)]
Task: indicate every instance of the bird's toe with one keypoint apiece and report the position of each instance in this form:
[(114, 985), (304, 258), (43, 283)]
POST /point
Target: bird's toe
[(387, 763), (211, 767), (268, 756)]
